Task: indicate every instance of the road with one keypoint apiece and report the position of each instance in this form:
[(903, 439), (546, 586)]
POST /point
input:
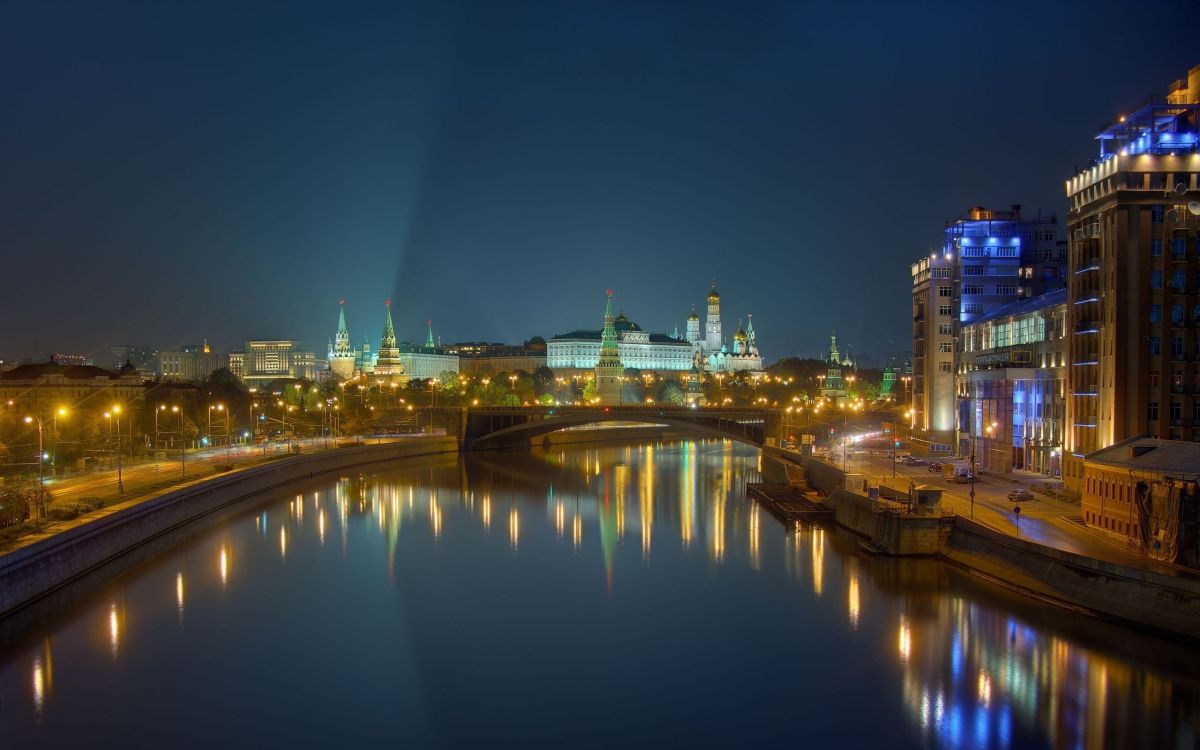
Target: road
[(144, 475), (1044, 520)]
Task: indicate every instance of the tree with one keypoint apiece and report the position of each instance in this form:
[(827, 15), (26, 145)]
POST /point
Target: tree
[(589, 390), (543, 380), (669, 392)]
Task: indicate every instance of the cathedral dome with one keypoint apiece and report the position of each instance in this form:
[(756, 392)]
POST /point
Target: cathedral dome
[(740, 335), (712, 295), (693, 316)]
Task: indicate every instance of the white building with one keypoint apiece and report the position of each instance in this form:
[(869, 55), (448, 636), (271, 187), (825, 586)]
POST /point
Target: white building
[(580, 350), (714, 352)]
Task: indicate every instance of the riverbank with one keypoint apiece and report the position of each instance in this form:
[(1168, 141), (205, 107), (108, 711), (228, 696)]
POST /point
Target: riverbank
[(53, 560), (1148, 595)]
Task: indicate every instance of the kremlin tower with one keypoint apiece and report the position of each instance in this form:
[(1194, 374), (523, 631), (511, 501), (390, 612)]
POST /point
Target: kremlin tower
[(387, 359), (342, 359), (609, 371)]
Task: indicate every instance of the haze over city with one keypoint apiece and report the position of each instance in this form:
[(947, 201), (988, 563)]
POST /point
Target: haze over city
[(600, 374), (229, 171)]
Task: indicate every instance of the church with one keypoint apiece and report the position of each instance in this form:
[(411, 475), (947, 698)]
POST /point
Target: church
[(712, 349)]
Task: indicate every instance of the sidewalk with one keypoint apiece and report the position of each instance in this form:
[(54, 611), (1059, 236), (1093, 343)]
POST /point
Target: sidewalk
[(1045, 520), (86, 493)]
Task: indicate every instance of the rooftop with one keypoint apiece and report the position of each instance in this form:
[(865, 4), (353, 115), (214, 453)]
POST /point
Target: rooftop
[(1152, 454), (1025, 306)]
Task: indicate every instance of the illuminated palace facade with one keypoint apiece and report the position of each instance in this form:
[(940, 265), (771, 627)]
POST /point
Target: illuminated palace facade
[(578, 352)]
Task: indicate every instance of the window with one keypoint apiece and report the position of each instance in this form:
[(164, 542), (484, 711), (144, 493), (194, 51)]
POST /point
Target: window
[(972, 270), (1156, 246), (972, 289), (944, 291), (1179, 279), (1152, 411), (973, 308), (1156, 279), (1152, 379), (945, 367), (1196, 409), (945, 329), (1006, 289), (1155, 313), (1176, 411), (1154, 345), (941, 273), (1177, 347), (1177, 313), (946, 347), (945, 310), (1179, 246)]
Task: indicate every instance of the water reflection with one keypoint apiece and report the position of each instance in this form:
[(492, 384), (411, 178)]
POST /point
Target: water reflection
[(958, 668)]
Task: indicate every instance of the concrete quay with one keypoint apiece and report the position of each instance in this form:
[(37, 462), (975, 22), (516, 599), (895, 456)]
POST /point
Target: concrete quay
[(36, 569), (1144, 596)]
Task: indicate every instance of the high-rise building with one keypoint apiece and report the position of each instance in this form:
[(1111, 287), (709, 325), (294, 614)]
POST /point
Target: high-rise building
[(141, 357), (189, 364), (988, 259), (263, 361), (1134, 286), (1012, 385)]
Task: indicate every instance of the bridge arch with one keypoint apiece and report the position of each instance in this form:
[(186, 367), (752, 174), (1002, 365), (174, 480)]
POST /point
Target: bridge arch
[(486, 428)]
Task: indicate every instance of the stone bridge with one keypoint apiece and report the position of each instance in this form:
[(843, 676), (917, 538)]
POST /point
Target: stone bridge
[(490, 427)]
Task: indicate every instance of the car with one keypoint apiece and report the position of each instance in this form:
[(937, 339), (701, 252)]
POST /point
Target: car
[(1020, 494), (964, 478), (935, 467), (913, 461)]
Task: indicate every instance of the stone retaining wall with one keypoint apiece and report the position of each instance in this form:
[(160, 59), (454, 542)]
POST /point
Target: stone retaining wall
[(1137, 596), (33, 571)]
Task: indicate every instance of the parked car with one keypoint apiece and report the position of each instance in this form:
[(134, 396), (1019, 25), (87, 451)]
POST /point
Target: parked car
[(912, 461), (1020, 494), (935, 467), (967, 478)]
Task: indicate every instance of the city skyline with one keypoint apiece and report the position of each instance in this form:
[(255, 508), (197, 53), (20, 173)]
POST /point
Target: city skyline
[(462, 162)]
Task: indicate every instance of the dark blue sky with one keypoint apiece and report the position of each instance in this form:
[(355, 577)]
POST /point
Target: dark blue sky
[(172, 172)]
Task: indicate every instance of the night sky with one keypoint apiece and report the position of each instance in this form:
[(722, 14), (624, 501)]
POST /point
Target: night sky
[(172, 172)]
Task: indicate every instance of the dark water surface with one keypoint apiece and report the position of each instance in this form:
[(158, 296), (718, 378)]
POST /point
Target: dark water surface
[(611, 596)]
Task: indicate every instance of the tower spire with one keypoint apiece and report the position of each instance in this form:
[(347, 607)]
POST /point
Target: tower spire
[(608, 368), (429, 336), (387, 361)]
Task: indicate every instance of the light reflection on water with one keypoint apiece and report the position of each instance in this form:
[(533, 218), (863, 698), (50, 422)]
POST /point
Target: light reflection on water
[(793, 629)]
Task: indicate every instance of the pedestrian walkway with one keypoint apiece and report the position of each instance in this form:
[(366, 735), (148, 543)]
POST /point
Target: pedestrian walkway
[(1047, 520)]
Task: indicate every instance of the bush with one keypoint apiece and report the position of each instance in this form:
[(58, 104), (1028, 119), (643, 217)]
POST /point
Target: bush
[(89, 504), (63, 514)]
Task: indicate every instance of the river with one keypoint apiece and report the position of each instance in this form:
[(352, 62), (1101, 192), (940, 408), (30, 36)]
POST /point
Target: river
[(578, 596)]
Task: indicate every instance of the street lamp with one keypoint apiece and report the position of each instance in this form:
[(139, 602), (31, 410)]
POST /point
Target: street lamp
[(41, 462), (182, 443), (116, 412), (988, 432), (160, 407), (59, 412)]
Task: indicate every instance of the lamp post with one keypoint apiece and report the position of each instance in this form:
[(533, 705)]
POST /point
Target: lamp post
[(41, 474), (988, 432), (182, 443), (59, 412), (116, 412), (157, 409)]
